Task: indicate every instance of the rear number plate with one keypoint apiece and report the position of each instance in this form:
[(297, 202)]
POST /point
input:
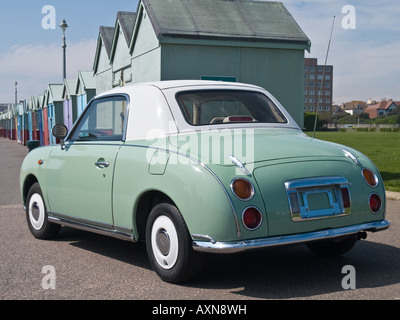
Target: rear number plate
[(315, 201)]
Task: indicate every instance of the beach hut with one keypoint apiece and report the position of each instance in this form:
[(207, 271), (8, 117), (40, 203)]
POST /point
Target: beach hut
[(85, 89)]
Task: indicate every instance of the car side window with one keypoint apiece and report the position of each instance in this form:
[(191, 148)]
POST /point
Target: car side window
[(104, 119)]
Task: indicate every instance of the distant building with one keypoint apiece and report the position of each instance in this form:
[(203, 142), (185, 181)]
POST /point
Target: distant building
[(354, 107), (318, 88), (4, 107), (380, 109)]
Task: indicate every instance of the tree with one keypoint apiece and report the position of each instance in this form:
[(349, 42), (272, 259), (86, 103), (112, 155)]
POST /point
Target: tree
[(309, 121)]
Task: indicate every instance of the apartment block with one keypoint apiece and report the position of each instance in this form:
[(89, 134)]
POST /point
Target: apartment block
[(318, 86)]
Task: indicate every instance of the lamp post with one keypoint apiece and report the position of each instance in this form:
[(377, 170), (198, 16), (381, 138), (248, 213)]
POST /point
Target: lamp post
[(64, 27), (16, 92), (15, 106)]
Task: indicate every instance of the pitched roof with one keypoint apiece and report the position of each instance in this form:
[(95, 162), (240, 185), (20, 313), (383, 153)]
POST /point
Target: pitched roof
[(126, 21), (354, 105), (245, 20), (383, 105), (107, 35), (69, 88), (55, 92), (87, 79)]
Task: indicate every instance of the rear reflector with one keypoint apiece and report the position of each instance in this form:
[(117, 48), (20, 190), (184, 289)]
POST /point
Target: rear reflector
[(345, 197), (251, 218), (375, 202)]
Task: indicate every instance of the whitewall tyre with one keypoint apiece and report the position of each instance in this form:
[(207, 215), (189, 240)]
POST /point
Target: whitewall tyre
[(164, 242), (169, 245), (36, 215), (36, 211)]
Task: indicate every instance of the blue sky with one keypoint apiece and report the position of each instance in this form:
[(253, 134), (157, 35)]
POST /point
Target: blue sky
[(366, 59), (21, 20), (32, 56)]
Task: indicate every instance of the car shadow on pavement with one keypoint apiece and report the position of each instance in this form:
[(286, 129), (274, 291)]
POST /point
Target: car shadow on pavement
[(296, 273), (291, 272), (124, 251)]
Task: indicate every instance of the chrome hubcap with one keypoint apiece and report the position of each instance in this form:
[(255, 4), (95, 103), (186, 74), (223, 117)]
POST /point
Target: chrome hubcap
[(163, 242), (35, 211)]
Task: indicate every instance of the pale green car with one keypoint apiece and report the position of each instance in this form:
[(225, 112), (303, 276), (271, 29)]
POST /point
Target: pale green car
[(195, 166)]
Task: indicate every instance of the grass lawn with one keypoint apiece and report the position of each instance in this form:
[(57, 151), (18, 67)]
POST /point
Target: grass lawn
[(383, 148)]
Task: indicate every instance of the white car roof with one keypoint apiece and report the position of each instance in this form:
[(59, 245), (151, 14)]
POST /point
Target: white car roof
[(170, 84), (154, 110)]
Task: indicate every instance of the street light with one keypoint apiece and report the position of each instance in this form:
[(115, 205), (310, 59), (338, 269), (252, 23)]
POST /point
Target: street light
[(64, 27), (16, 103)]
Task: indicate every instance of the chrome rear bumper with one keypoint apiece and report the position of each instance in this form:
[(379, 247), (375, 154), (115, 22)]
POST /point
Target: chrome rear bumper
[(213, 246)]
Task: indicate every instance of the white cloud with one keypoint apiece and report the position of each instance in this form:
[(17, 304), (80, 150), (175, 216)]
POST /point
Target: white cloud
[(36, 66), (366, 59)]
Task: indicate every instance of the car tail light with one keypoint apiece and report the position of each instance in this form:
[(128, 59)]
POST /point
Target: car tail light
[(370, 177), (251, 218), (242, 189), (345, 197), (375, 203)]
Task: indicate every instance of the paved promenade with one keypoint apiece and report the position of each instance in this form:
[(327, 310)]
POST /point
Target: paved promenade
[(11, 156), (89, 266)]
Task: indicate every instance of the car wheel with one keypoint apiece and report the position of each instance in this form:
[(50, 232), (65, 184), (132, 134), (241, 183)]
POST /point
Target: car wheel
[(36, 215), (332, 247), (169, 245)]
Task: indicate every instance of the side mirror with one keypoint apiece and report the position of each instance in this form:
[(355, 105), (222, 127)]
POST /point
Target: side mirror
[(60, 131)]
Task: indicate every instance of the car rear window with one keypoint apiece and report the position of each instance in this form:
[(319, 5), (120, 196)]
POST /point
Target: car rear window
[(209, 107)]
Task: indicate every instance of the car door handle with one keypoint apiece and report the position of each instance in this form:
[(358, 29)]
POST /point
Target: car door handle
[(104, 164)]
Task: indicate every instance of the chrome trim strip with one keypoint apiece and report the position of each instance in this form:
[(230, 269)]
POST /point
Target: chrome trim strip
[(99, 228), (240, 165), (298, 191), (315, 182), (349, 155), (238, 246), (204, 237)]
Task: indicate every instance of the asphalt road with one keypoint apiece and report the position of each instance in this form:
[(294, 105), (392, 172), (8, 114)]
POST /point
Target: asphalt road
[(89, 266)]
